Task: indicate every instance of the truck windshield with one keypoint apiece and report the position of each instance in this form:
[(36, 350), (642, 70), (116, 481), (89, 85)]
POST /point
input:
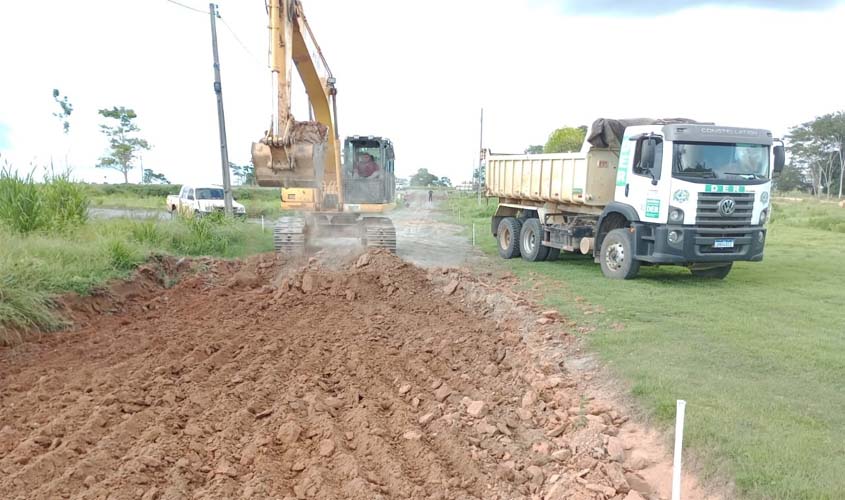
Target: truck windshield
[(725, 162), (209, 194)]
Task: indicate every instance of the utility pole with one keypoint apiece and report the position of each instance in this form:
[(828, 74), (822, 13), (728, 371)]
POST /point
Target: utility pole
[(480, 155), (221, 120)]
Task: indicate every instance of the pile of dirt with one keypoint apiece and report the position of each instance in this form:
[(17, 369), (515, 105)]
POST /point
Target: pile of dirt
[(363, 379)]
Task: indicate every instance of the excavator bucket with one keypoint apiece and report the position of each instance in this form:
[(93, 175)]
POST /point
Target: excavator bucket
[(301, 164)]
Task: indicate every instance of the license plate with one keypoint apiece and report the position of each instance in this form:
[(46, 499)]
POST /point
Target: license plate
[(723, 244)]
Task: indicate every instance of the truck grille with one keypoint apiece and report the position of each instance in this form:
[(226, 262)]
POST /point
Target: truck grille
[(705, 240), (709, 214)]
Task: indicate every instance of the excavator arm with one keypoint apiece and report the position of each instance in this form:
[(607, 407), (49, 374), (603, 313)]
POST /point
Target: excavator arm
[(301, 155)]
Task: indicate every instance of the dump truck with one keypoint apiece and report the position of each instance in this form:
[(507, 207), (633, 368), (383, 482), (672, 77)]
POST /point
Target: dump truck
[(640, 192)]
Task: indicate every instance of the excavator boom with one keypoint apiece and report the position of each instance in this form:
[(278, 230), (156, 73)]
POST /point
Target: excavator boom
[(299, 154), (303, 157)]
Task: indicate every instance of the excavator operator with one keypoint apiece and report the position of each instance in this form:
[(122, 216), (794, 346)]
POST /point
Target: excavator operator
[(367, 168)]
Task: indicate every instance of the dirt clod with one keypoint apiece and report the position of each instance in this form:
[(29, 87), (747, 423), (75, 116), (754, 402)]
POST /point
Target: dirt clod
[(451, 287), (477, 409), (442, 393), (326, 448)]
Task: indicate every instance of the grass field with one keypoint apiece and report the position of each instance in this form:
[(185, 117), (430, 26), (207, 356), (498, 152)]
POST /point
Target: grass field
[(759, 357), (257, 201)]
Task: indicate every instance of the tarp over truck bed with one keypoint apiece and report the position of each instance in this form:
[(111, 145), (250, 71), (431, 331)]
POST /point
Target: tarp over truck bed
[(608, 132)]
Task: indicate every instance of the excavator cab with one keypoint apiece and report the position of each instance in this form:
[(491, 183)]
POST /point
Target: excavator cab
[(369, 182)]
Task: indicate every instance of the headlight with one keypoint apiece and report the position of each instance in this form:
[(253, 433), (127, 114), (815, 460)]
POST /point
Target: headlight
[(674, 236), (764, 217), (241, 210), (676, 215)]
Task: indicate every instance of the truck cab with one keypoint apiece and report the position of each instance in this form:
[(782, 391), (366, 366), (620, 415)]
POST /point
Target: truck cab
[(369, 183), (693, 194)]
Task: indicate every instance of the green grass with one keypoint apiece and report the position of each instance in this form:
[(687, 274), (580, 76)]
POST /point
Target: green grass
[(759, 357), (26, 205), (257, 201), (37, 266)]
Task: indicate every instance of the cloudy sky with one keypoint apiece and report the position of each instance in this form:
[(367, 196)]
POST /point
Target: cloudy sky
[(418, 72)]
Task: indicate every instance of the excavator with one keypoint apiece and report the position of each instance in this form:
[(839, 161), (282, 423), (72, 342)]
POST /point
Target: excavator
[(328, 197)]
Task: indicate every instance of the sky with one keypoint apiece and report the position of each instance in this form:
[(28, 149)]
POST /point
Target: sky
[(417, 72)]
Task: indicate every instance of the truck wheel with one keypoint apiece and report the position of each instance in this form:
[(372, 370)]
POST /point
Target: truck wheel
[(617, 255), (554, 254), (508, 236), (718, 273), (531, 241)]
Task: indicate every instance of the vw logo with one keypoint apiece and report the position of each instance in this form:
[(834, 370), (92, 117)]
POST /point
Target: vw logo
[(727, 207)]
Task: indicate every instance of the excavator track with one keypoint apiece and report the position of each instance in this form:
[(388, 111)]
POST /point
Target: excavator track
[(380, 233), (289, 235)]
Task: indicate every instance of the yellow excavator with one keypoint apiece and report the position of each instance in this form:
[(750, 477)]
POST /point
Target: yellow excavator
[(330, 198)]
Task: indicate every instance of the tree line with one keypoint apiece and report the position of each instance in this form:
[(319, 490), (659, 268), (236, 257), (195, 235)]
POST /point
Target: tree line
[(816, 152)]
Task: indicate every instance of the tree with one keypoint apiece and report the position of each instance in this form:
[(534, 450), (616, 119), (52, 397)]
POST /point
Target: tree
[(123, 145), (423, 178), (817, 147), (443, 182), (565, 140), (534, 150), (66, 109), (479, 175), (791, 179), (244, 173), (151, 177)]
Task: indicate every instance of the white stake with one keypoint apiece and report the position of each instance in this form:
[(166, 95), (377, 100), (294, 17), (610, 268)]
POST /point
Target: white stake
[(262, 223), (473, 234), (679, 439)]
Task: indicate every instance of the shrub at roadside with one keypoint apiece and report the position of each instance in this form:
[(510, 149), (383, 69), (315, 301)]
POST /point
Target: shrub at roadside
[(27, 206)]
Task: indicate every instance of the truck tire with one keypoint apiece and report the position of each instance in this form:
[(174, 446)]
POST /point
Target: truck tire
[(531, 241), (554, 254), (508, 237), (617, 255), (718, 273)]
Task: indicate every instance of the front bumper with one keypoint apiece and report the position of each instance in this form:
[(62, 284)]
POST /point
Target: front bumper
[(697, 244)]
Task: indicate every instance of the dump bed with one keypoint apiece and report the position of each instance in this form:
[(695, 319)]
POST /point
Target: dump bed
[(562, 178)]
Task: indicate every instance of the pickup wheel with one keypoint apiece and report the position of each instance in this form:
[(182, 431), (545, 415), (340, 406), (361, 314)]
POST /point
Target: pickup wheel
[(617, 255), (718, 273), (531, 241), (508, 237)]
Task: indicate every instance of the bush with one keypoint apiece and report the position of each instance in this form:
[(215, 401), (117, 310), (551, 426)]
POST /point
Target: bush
[(65, 203), (208, 235), (121, 256), (26, 206), (21, 204)]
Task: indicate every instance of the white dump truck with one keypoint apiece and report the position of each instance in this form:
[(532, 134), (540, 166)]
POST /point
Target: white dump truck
[(641, 191)]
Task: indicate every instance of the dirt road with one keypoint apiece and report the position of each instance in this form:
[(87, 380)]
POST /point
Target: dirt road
[(362, 378)]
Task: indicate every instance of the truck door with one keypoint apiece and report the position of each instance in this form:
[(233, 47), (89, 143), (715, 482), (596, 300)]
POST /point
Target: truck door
[(640, 185)]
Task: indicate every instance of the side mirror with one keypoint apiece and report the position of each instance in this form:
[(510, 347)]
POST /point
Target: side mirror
[(780, 158)]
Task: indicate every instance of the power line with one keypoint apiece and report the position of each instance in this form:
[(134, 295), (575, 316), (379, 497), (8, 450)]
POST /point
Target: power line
[(243, 45), (188, 7)]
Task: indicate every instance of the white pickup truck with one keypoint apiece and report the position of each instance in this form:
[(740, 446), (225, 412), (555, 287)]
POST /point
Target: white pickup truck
[(197, 201)]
